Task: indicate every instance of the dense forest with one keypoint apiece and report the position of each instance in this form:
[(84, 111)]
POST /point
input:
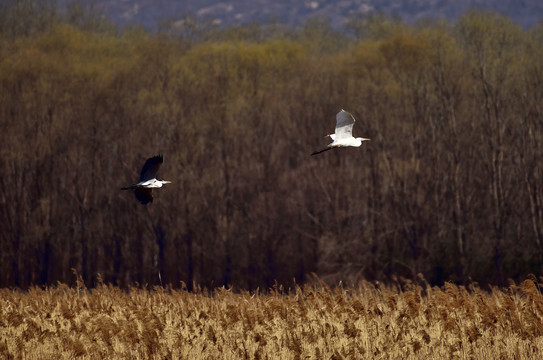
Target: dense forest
[(450, 187)]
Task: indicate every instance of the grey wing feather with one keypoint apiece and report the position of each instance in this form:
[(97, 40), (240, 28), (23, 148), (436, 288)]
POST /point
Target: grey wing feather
[(344, 124), (150, 168)]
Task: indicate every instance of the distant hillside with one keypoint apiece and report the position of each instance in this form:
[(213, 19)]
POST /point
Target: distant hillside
[(149, 12)]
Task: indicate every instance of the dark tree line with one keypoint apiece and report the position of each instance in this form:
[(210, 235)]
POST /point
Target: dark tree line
[(450, 185)]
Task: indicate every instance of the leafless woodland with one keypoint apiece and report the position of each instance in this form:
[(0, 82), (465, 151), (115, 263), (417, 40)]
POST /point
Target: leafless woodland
[(449, 187)]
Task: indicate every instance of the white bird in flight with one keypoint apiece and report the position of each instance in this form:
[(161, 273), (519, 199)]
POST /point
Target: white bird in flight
[(144, 187), (344, 133)]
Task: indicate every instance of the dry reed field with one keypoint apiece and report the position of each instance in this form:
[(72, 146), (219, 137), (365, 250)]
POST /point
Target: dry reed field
[(310, 322)]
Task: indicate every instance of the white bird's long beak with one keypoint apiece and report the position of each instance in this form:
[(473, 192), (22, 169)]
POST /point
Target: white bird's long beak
[(365, 139)]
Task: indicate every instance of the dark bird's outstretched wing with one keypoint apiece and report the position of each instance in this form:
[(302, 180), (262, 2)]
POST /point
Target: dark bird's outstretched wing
[(144, 195), (150, 168)]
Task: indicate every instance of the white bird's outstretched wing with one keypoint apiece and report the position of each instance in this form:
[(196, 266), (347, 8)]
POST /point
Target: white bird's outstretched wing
[(344, 125), (150, 168)]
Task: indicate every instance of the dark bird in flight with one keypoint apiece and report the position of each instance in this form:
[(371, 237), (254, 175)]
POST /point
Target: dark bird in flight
[(143, 189)]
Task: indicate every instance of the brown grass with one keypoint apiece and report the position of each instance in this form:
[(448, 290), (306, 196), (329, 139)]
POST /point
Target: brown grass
[(313, 322)]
